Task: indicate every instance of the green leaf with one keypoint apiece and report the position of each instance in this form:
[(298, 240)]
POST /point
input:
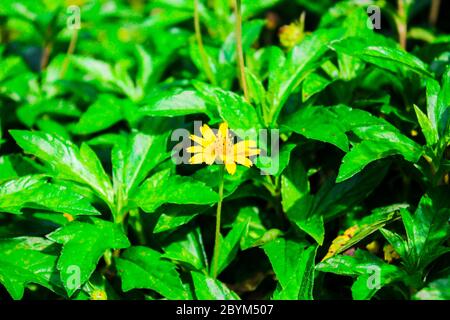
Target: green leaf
[(250, 33), (27, 260), (173, 104), (257, 93), (102, 114), (236, 111), (313, 84), (176, 216), (378, 219), (207, 288), (145, 69), (255, 231), (382, 56), (36, 192), (70, 162), (83, 245), (162, 188), (431, 135), (383, 144), (426, 231), (435, 290), (444, 104), (432, 92), (297, 202), (97, 69), (371, 272), (144, 268), (133, 161), (186, 247), (229, 246), (334, 199), (276, 163), (29, 113), (318, 123), (438, 101), (293, 263), (301, 60)]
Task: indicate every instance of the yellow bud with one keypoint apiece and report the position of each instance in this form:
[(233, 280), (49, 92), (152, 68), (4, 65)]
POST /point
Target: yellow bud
[(98, 295), (373, 247), (290, 35), (390, 254)]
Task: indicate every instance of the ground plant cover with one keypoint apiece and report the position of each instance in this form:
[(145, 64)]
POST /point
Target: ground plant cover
[(224, 149)]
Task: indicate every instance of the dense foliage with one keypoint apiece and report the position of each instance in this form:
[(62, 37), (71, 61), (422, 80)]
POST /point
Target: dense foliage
[(347, 198)]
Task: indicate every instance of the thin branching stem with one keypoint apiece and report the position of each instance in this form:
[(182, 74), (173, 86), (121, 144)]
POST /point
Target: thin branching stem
[(70, 51), (434, 12), (201, 48), (216, 253), (240, 51), (402, 26)]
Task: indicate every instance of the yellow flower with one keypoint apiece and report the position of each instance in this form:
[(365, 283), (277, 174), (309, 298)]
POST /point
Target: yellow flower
[(98, 294), (373, 247), (293, 33), (220, 147), (390, 254)]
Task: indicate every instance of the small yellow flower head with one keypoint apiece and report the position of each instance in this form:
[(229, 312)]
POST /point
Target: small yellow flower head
[(98, 295), (390, 254), (292, 34), (220, 147), (373, 247)]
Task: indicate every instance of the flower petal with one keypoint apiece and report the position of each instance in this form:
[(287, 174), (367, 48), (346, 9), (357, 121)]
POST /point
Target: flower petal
[(245, 148), (210, 155), (244, 161), (197, 158), (231, 167), (199, 140), (251, 152), (223, 130), (245, 144), (194, 149), (207, 133)]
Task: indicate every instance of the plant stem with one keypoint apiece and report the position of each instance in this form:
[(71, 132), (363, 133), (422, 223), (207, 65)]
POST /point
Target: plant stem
[(70, 51), (138, 227), (201, 48), (402, 23), (107, 257), (218, 219), (45, 55), (239, 50), (434, 11)]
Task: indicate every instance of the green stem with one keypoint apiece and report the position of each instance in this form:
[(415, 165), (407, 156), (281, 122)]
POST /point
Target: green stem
[(218, 219), (70, 51), (201, 48), (138, 227), (434, 12), (402, 26), (240, 51), (107, 256)]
